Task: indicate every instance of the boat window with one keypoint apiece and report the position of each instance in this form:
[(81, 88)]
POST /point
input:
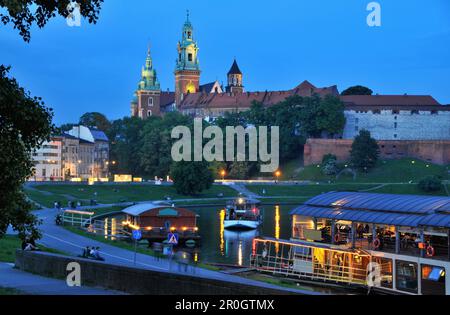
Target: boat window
[(386, 271), (406, 276), (433, 280)]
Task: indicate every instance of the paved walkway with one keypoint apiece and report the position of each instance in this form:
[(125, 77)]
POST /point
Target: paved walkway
[(37, 285), (63, 240)]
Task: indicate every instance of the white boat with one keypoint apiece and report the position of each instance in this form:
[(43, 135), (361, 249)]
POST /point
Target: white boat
[(243, 214)]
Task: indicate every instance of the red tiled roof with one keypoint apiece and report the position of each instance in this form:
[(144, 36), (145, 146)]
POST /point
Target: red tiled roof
[(395, 102), (167, 98), (245, 100), (306, 89)]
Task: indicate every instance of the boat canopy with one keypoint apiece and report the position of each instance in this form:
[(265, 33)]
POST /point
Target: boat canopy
[(389, 209)]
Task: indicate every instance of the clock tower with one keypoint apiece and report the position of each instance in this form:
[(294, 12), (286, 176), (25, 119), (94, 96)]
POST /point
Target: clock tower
[(187, 70)]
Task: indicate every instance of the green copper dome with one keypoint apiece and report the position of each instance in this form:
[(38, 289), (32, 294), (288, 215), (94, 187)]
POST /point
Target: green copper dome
[(149, 79)]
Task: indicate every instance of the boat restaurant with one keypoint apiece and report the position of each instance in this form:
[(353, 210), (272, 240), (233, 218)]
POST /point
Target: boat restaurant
[(343, 237)]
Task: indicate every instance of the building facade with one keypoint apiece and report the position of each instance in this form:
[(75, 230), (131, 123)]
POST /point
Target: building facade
[(80, 153), (48, 161), (93, 152)]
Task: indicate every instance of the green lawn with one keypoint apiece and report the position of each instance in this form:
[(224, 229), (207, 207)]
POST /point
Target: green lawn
[(389, 171), (102, 211), (304, 190), (120, 193), (44, 199), (9, 244), (9, 291), (300, 191)]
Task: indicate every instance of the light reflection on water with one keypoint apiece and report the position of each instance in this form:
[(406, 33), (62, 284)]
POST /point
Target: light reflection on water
[(228, 247)]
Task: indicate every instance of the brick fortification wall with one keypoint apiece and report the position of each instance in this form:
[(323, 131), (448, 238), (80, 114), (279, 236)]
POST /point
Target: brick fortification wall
[(434, 151), (134, 280)]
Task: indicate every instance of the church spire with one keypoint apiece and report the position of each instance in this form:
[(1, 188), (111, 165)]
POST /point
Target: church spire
[(187, 68), (149, 79), (235, 79)]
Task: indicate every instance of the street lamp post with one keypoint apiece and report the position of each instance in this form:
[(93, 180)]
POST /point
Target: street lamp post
[(277, 175)]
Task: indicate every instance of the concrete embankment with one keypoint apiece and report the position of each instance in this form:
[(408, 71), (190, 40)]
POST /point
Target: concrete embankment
[(135, 280)]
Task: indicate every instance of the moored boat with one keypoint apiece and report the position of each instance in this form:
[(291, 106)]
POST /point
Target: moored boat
[(243, 214)]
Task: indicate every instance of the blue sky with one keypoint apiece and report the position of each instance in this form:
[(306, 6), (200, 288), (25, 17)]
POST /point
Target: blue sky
[(277, 44)]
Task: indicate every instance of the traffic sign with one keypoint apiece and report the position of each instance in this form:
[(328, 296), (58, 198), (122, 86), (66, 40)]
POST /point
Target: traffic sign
[(172, 238), (137, 234)]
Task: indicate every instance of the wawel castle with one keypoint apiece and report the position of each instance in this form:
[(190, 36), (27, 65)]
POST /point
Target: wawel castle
[(394, 118)]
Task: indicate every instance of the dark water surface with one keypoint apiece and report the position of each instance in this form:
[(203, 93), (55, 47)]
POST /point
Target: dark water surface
[(230, 247)]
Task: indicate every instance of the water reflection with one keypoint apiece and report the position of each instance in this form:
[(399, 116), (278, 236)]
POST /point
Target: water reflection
[(238, 245), (277, 226), (219, 245), (222, 229)]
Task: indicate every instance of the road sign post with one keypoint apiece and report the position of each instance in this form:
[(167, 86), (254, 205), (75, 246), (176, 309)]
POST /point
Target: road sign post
[(137, 235)]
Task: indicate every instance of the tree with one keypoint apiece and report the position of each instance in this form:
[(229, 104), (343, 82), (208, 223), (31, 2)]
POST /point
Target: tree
[(240, 170), (125, 137), (430, 184), (23, 14), (95, 120), (319, 116), (155, 155), (357, 90), (365, 151), (330, 167), (191, 178), (66, 127), (25, 123)]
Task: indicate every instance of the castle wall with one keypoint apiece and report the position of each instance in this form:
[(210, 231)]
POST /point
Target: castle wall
[(424, 125), (434, 151)]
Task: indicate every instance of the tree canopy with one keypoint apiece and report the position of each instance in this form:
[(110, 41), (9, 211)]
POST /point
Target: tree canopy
[(357, 90), (191, 178), (25, 123), (23, 14), (95, 120), (365, 151)]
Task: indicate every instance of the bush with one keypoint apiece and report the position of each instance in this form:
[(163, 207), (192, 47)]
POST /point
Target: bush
[(328, 157), (330, 168), (430, 184)]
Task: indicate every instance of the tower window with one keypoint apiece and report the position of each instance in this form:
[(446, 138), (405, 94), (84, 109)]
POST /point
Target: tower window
[(189, 57), (150, 101), (189, 34)]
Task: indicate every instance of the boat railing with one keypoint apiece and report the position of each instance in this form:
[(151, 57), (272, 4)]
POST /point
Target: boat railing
[(294, 260)]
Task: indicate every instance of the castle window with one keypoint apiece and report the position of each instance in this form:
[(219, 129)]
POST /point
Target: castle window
[(395, 112), (395, 136), (189, 57), (395, 125), (150, 101), (189, 34)]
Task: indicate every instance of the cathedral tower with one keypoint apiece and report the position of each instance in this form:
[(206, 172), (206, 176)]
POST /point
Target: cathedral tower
[(146, 100), (187, 70), (235, 79)]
